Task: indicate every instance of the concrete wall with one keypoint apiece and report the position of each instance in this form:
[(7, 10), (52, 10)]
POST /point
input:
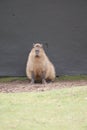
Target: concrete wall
[(62, 24)]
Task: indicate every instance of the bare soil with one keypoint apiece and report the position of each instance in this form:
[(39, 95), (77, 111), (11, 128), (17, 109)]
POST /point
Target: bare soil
[(25, 86)]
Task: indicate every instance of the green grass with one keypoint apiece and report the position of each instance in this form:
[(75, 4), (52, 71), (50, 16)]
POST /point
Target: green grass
[(63, 109), (72, 78), (11, 79), (60, 78)]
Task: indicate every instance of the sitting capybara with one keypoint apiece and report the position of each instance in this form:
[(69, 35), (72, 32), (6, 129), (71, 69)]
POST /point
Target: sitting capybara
[(39, 68)]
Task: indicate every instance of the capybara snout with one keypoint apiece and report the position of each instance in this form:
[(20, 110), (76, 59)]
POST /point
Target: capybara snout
[(37, 47), (39, 67), (37, 52)]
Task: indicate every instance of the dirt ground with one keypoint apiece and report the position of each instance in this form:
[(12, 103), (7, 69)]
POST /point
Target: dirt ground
[(25, 86)]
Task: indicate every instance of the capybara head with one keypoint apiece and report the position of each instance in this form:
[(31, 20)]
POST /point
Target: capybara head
[(38, 49)]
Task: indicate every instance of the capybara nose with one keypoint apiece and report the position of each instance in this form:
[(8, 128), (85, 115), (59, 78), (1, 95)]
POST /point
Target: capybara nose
[(37, 52)]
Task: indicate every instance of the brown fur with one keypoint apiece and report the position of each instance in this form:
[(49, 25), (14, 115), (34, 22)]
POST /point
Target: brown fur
[(39, 64)]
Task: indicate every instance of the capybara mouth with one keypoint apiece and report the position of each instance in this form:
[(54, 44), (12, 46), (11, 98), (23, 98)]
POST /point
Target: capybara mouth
[(37, 56)]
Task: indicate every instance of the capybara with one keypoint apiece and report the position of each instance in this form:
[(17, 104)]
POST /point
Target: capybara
[(39, 68)]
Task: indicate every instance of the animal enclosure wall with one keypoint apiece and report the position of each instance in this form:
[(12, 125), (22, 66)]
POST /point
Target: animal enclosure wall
[(61, 25)]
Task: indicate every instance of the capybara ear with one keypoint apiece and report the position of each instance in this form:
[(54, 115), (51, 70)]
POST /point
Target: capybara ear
[(41, 45)]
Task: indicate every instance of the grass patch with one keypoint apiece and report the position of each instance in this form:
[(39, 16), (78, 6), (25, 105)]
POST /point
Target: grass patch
[(11, 79), (71, 78), (63, 109), (60, 78)]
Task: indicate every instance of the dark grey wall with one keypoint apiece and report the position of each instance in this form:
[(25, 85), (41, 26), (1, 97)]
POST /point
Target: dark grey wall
[(60, 23)]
